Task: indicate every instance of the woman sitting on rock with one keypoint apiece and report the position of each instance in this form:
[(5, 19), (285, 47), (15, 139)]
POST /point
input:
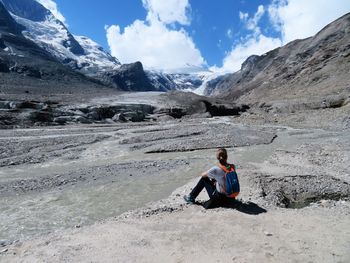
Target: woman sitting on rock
[(221, 183)]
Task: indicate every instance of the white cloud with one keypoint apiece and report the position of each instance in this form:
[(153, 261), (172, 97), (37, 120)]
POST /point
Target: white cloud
[(252, 23), (243, 16), (52, 6), (253, 44), (229, 33), (154, 43), (169, 11), (219, 43), (297, 19)]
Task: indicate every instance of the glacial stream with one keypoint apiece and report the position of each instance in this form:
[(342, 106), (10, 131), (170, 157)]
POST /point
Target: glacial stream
[(39, 212)]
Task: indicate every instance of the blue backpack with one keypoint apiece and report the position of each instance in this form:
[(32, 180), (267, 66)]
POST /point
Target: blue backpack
[(231, 187)]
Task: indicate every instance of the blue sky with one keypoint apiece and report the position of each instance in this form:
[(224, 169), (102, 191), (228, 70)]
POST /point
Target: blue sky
[(169, 34)]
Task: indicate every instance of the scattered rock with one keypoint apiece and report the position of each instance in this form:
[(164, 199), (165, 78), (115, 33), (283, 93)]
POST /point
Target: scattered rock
[(81, 119), (4, 251), (133, 116), (3, 243), (41, 116), (63, 119), (101, 112), (31, 105), (188, 105), (119, 117), (268, 234)]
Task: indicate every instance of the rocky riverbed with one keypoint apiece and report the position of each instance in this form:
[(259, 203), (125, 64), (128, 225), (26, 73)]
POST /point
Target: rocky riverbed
[(118, 107), (70, 191)]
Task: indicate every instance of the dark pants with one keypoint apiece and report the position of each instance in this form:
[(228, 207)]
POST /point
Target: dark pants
[(216, 199)]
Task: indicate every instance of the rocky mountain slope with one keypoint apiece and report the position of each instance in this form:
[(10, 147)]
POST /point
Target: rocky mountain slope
[(41, 26), (22, 59), (312, 72)]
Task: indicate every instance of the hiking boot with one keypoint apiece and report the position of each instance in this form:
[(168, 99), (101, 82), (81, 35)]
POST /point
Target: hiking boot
[(189, 199)]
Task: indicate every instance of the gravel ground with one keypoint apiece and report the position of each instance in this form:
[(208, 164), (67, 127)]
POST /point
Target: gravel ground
[(53, 179)]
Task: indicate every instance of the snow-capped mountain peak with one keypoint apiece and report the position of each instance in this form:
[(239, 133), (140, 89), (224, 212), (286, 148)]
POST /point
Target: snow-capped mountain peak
[(42, 27), (96, 56)]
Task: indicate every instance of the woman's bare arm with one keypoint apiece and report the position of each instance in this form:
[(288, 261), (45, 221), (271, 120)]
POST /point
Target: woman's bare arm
[(205, 174)]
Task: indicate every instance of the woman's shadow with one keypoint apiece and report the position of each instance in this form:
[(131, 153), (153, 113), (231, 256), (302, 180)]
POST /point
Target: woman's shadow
[(244, 207)]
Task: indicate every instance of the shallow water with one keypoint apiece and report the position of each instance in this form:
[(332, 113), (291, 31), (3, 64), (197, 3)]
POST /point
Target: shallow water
[(38, 213), (260, 153)]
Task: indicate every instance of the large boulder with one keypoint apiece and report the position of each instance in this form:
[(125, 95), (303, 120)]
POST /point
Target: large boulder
[(187, 103), (119, 117), (131, 77), (134, 116), (101, 112), (41, 116)]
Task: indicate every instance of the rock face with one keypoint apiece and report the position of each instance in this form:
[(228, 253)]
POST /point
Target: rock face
[(7, 23), (27, 9), (312, 68), (12, 41), (129, 77)]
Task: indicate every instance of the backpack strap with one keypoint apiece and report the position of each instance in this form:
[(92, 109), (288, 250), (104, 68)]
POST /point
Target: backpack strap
[(227, 168)]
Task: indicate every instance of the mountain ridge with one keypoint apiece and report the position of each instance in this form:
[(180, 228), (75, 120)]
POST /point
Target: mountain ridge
[(290, 65), (86, 56), (52, 35), (312, 67)]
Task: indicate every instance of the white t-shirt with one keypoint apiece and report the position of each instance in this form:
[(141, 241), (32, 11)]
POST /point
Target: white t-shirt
[(218, 175)]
